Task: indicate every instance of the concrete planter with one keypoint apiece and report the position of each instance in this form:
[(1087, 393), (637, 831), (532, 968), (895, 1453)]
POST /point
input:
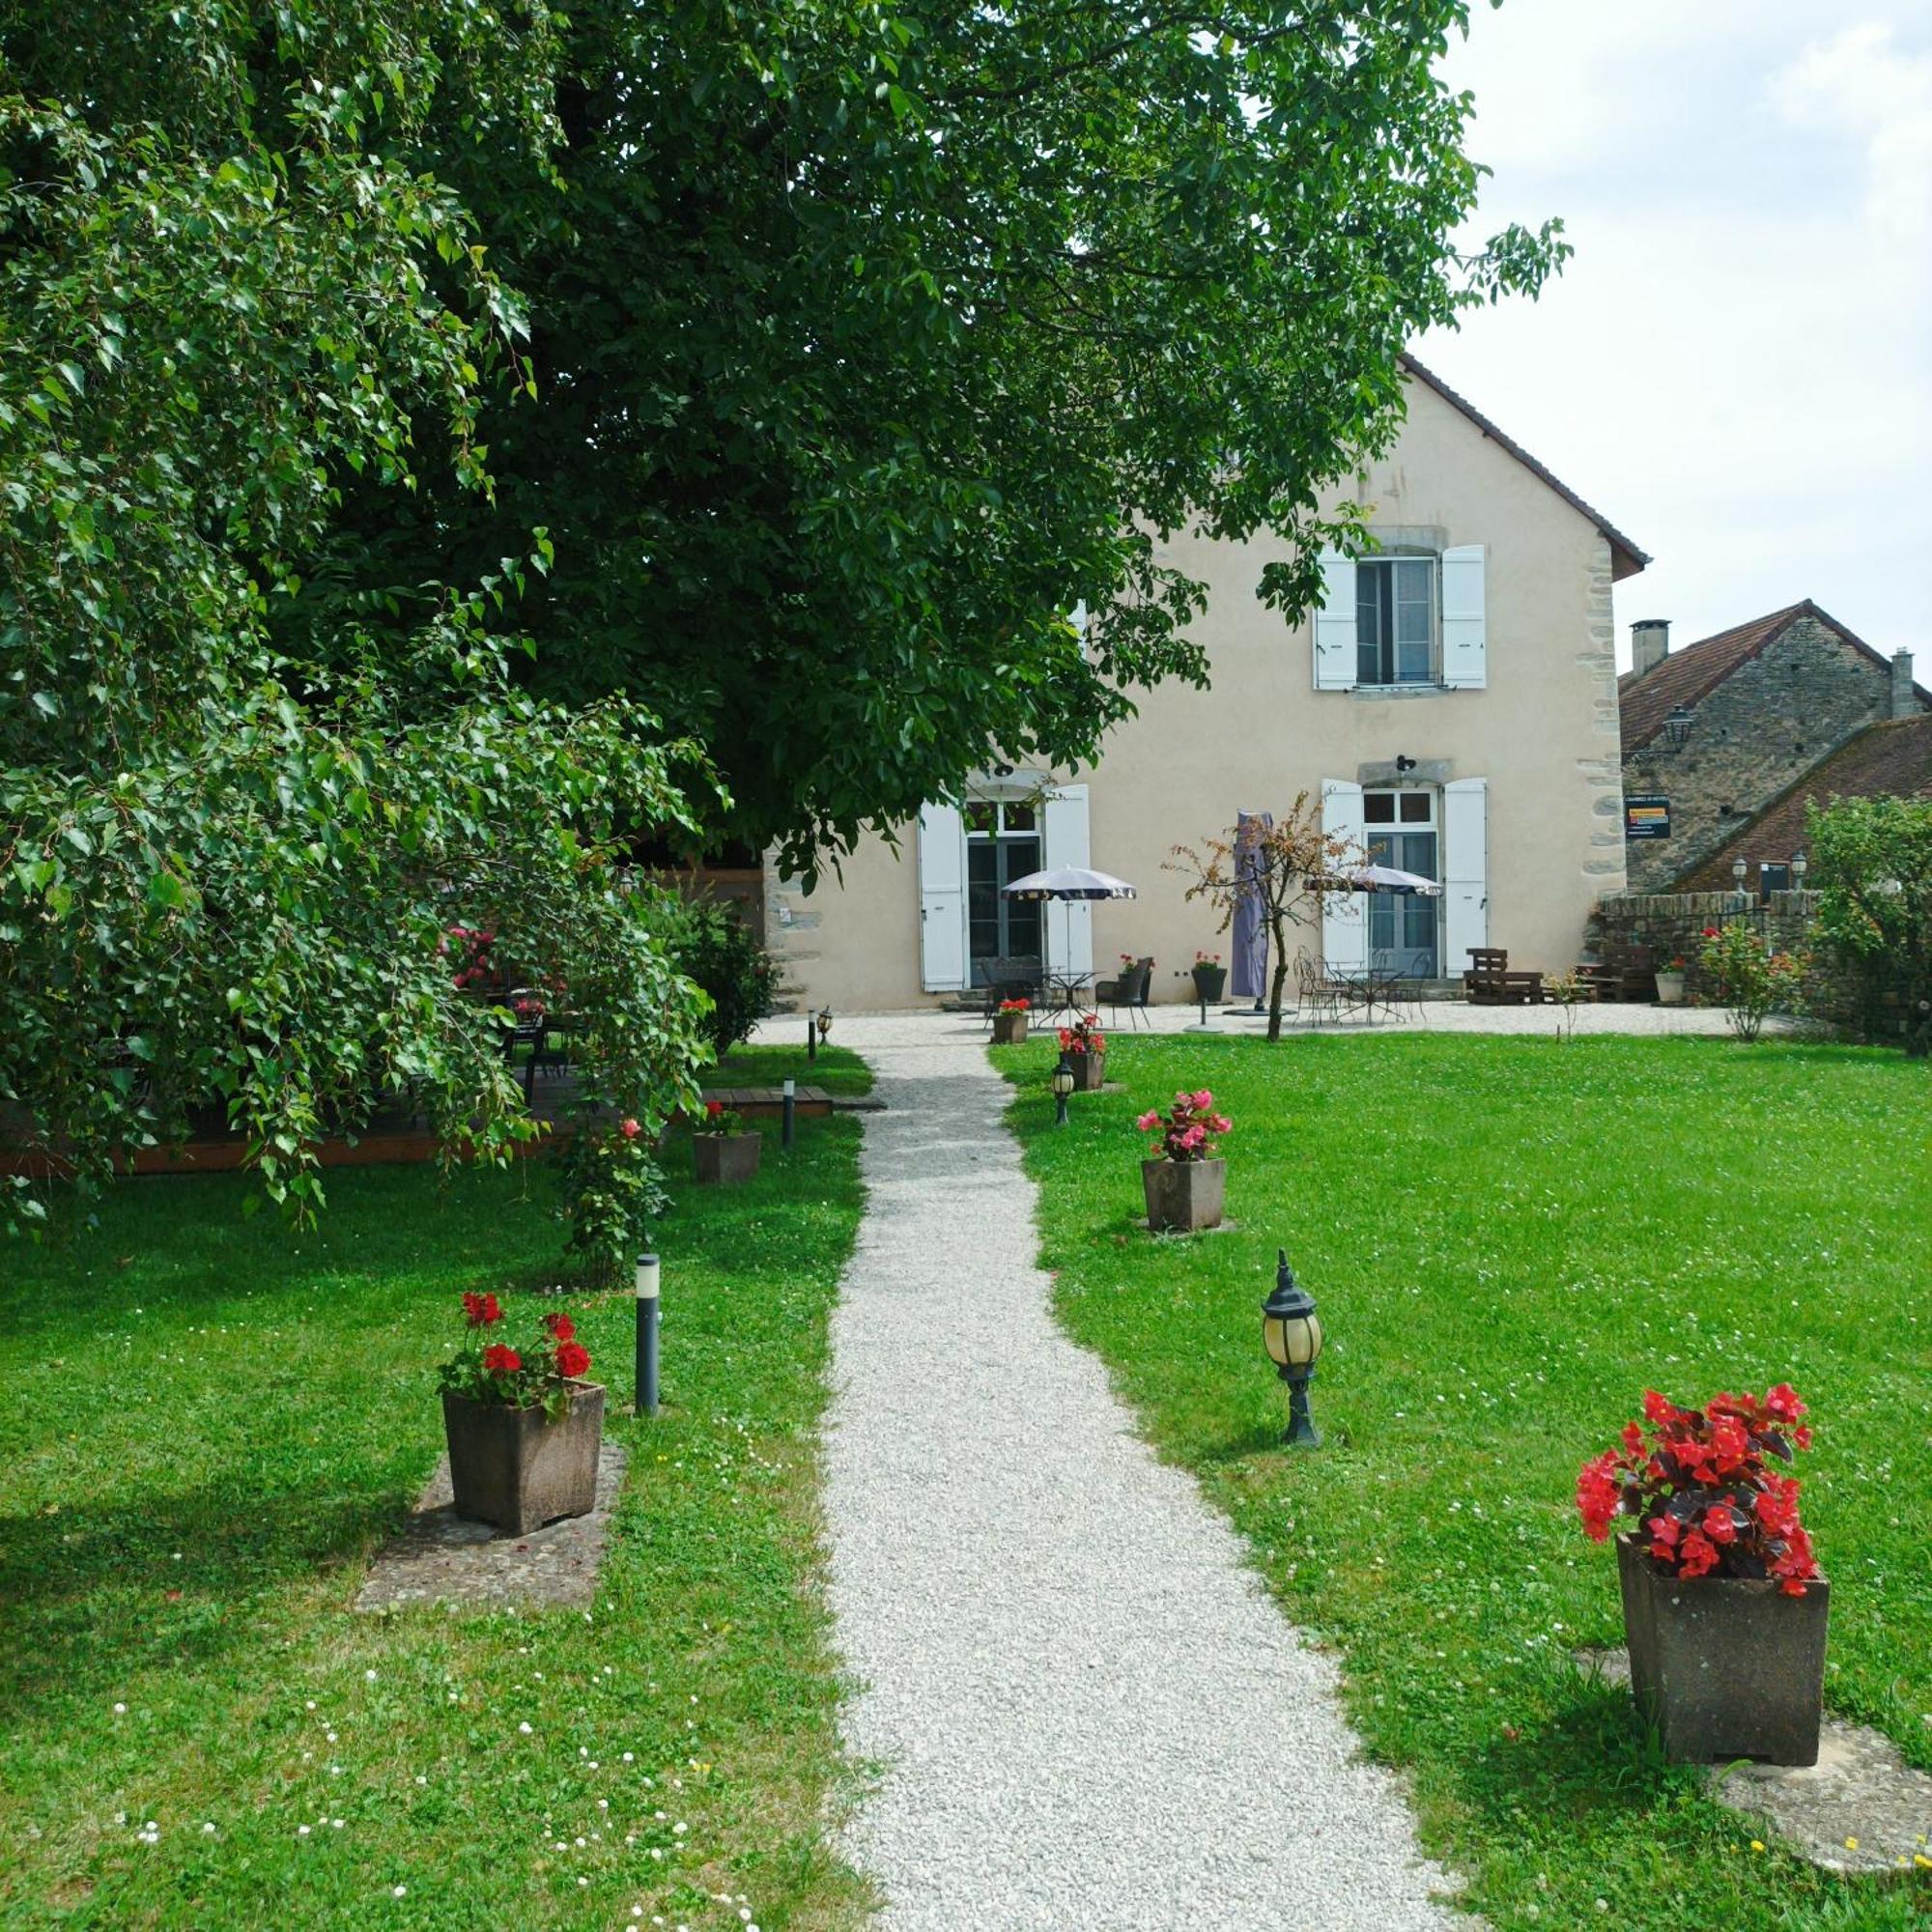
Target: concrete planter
[(1670, 990), (1009, 1029), (725, 1158), (1184, 1196), (1089, 1071), (1726, 1667), (1209, 983), (517, 1468)]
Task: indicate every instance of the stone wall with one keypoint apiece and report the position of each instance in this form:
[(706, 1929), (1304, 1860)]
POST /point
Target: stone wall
[(1775, 718), (1669, 924)]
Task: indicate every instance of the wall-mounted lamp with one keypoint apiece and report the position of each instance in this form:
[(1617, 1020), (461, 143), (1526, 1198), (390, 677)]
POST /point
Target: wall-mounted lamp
[(1677, 727)]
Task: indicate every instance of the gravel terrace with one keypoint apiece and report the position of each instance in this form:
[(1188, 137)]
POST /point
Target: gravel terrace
[(1085, 1711)]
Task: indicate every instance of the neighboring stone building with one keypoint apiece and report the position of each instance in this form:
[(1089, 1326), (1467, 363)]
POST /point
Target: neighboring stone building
[(1892, 759), (1714, 733), (1452, 706)]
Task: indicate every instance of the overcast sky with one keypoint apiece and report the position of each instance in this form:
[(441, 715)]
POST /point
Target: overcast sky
[(1736, 367)]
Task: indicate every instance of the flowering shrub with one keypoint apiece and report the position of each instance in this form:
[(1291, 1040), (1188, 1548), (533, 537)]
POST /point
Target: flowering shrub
[(1017, 1005), (719, 1119), (486, 1371), (612, 1191), (1186, 1128), (1084, 1036), (1700, 1487), (1748, 977)]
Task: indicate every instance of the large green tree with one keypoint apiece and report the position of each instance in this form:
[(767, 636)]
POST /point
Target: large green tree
[(873, 338), (437, 439), (229, 288)]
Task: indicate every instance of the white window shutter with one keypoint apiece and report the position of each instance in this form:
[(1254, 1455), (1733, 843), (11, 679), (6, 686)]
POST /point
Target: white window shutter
[(1466, 871), (1068, 924), (1344, 924), (942, 899), (1335, 626), (1465, 618)]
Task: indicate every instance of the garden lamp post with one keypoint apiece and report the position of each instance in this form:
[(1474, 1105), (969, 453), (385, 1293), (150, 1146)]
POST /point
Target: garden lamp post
[(1063, 1084), (647, 1334), (822, 1024), (1799, 865), (1738, 870), (1293, 1332)]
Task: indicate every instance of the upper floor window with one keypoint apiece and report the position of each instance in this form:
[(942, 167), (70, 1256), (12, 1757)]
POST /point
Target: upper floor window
[(1395, 620), (1404, 619)]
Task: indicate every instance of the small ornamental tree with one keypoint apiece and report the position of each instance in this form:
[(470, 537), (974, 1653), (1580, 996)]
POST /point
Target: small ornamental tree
[(1286, 871), (1701, 1490), (1872, 865)]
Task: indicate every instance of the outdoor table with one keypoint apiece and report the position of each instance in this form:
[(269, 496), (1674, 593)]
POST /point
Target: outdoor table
[(1072, 993)]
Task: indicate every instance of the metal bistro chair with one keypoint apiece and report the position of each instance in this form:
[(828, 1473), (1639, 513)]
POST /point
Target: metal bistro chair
[(1315, 993), (1015, 976), (1129, 989)]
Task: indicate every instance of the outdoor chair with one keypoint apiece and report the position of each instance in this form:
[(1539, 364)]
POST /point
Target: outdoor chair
[(1129, 990), (1315, 993), (1015, 976)]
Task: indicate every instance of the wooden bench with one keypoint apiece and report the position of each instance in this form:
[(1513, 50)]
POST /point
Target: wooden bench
[(1489, 981)]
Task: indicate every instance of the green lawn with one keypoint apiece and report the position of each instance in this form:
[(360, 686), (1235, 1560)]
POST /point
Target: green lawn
[(1510, 1239), (212, 1422), (838, 1070)]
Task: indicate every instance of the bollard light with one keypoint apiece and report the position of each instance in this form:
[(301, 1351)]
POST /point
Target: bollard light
[(646, 1288), (789, 1129), (1293, 1332), (1063, 1084)]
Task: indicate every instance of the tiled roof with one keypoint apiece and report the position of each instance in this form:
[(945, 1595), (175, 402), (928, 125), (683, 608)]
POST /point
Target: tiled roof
[(1689, 677), (1892, 759), (1625, 559)]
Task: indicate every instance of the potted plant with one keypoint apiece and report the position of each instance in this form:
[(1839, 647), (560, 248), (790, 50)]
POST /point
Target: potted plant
[(1185, 1179), (523, 1426), (1009, 1023), (723, 1148), (1210, 977), (1670, 981), (1086, 1047), (1723, 1605)]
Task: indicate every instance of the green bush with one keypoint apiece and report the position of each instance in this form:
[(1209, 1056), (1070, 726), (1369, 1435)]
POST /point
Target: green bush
[(717, 951), (1873, 860)]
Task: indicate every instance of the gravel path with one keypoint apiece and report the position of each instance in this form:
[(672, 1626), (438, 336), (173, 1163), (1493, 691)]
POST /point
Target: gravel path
[(1087, 1711)]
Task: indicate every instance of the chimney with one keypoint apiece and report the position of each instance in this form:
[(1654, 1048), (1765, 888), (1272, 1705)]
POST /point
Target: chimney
[(1650, 643), (1904, 699)]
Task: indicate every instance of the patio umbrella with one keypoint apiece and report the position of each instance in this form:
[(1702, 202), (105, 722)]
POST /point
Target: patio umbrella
[(1382, 879), (1068, 883), (1248, 968)]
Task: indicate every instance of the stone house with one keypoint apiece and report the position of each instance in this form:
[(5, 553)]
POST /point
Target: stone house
[(1892, 758), (1452, 706), (1713, 734)]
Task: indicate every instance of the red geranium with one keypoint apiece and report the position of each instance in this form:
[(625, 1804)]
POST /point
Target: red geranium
[(629, 1128), (1702, 1485), (536, 1376)]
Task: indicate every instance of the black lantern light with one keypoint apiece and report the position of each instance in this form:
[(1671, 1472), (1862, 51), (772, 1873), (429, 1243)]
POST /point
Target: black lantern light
[(1293, 1332), (823, 1023), (1677, 727), (1063, 1084)]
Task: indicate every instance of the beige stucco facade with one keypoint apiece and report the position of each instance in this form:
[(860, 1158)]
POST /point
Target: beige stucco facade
[(1526, 765)]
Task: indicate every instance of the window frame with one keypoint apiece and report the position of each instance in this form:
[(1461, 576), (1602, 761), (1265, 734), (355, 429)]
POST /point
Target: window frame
[(1387, 648)]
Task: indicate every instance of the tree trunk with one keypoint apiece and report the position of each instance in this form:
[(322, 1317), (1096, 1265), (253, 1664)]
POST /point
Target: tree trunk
[(1278, 933)]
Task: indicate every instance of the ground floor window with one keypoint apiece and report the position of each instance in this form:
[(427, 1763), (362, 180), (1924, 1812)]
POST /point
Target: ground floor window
[(1002, 845), (1402, 829)]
